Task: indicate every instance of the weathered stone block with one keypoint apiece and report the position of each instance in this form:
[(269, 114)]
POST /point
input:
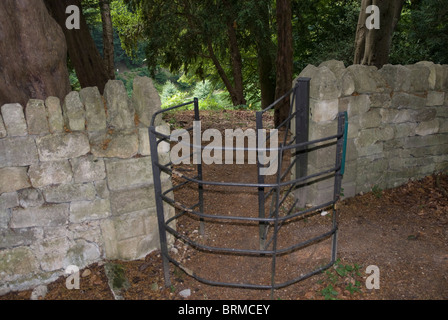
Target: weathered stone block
[(89, 210), (426, 114), (69, 192), (143, 142), (45, 216), (324, 110), (396, 76), (47, 173), (30, 198), (370, 119), (353, 127), (14, 119), (3, 132), (54, 114), (424, 141), (19, 237), (17, 262), (83, 253), (120, 144), (432, 79), (131, 200), (404, 100), (101, 189), (443, 126), (145, 100), (130, 236), (120, 112), (323, 85), (441, 77), (367, 79), (52, 253), (347, 84), (73, 112), (62, 146), (13, 179), (427, 127), (405, 129), (351, 152), (380, 100), (18, 152), (94, 107), (370, 150), (4, 221), (419, 78), (8, 200), (355, 105), (435, 98), (320, 130), (335, 66), (36, 117), (370, 136), (123, 174), (87, 169), (397, 116)]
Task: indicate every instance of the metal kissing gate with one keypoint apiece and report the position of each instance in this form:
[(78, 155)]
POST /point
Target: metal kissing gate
[(286, 235)]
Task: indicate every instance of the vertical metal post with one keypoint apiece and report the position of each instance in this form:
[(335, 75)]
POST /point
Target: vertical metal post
[(199, 166), (276, 215), (159, 204), (261, 196), (302, 95), (338, 176)]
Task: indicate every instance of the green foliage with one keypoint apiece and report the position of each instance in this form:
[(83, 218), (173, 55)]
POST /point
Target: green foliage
[(341, 275), (171, 40), (377, 191), (203, 90), (422, 33), (324, 30)]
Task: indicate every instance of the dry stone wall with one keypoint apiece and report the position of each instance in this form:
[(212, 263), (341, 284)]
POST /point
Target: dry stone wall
[(76, 183), (398, 125)]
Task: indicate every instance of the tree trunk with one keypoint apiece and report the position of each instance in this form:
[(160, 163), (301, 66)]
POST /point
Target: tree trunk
[(84, 55), (284, 59), (237, 64), (33, 53), (266, 76), (234, 95), (372, 47), (266, 52), (108, 38)]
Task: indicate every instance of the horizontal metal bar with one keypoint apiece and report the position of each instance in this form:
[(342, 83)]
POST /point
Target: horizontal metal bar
[(277, 101), (181, 206), (255, 286), (251, 185), (168, 109)]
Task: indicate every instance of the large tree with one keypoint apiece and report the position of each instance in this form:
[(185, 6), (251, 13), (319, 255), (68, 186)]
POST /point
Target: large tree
[(284, 59), (372, 46), (84, 55), (108, 38), (32, 53)]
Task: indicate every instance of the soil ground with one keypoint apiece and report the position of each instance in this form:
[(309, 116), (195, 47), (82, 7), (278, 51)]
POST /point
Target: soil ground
[(403, 231)]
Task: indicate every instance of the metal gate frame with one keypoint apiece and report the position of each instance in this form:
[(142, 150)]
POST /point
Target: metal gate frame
[(298, 96)]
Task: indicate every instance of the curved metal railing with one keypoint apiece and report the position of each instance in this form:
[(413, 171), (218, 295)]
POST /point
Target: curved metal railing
[(298, 145)]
